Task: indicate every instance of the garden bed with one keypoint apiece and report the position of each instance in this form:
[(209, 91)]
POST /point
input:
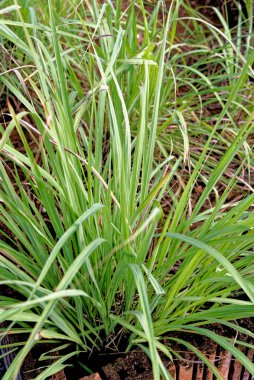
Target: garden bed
[(136, 365)]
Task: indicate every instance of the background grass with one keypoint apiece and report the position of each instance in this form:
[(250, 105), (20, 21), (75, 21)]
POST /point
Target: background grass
[(126, 175)]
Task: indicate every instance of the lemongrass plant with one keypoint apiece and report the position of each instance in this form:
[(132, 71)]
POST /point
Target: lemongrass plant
[(113, 127)]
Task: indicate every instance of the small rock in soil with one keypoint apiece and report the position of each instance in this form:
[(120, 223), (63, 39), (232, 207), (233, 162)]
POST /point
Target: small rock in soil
[(59, 376), (94, 376)]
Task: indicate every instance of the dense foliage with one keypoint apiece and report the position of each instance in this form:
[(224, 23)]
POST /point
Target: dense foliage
[(126, 176)]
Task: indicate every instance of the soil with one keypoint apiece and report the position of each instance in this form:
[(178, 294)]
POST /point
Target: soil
[(33, 366), (227, 8), (136, 365)]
